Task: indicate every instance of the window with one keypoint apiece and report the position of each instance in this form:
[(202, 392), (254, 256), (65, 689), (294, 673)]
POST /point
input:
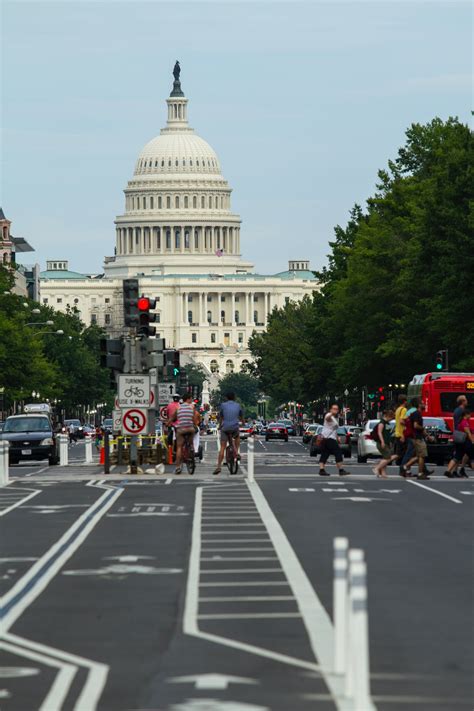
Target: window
[(93, 318), (160, 203), (176, 201), (213, 337), (194, 337), (45, 301), (186, 240), (222, 298), (177, 239), (107, 300), (186, 201), (168, 239), (144, 203), (287, 299), (209, 316), (190, 298), (196, 239), (76, 301), (202, 201), (223, 315), (190, 316), (214, 366), (244, 366), (168, 202), (217, 202), (59, 301), (194, 201), (210, 202), (255, 316), (237, 317), (158, 317), (255, 298), (108, 319), (240, 337), (152, 202), (209, 297), (229, 366)]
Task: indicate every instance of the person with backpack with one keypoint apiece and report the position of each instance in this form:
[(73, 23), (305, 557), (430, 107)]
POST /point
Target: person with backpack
[(382, 435), (409, 457), (400, 416), (463, 441)]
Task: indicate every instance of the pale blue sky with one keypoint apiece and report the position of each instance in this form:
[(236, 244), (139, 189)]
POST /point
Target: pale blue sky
[(303, 103)]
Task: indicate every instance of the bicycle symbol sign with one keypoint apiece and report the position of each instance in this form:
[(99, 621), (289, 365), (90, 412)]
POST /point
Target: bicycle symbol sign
[(134, 421), (134, 390)]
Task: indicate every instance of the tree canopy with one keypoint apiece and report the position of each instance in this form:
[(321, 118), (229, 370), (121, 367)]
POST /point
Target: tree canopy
[(397, 286)]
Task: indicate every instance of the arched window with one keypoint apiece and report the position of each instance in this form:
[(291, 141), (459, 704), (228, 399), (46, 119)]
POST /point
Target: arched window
[(176, 201), (176, 162), (210, 202), (152, 202), (168, 202), (217, 202), (186, 239), (177, 238), (196, 239), (190, 161), (184, 161), (244, 366), (229, 366), (202, 202), (169, 162), (255, 316), (160, 202), (209, 316), (214, 366), (162, 163), (168, 239), (237, 317), (186, 201), (197, 162), (194, 201), (222, 315), (144, 202), (156, 164), (190, 316)]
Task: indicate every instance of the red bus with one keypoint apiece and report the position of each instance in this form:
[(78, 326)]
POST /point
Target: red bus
[(439, 392)]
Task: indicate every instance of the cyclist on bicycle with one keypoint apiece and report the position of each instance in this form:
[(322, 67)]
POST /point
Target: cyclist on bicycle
[(230, 416), (186, 418), (171, 410)]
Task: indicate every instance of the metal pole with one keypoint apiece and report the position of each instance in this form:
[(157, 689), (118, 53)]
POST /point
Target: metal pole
[(106, 452), (133, 454), (4, 452), (250, 459), (341, 546)]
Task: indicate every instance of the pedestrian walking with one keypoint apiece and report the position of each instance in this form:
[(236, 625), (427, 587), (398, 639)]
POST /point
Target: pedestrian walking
[(409, 457), (383, 439), (419, 441), (462, 438), (400, 441), (329, 444)]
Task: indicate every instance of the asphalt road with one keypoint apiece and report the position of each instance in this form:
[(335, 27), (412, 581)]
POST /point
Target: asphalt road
[(188, 593)]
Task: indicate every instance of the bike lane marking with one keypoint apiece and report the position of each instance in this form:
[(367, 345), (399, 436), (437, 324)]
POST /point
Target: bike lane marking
[(435, 491)]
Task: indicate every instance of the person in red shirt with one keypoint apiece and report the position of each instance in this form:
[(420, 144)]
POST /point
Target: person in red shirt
[(171, 410)]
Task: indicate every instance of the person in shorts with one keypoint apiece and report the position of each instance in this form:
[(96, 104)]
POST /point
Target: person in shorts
[(419, 441), (461, 449), (330, 445), (399, 441), (230, 417), (186, 419), (384, 444)]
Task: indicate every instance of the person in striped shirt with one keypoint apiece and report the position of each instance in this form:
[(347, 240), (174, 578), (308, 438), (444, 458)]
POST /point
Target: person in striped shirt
[(185, 419)]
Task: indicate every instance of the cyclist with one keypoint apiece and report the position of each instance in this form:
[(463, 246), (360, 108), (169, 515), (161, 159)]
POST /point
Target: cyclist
[(171, 410), (186, 418), (230, 414)]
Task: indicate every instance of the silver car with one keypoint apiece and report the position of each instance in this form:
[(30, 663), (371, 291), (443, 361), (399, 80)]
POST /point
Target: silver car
[(366, 446)]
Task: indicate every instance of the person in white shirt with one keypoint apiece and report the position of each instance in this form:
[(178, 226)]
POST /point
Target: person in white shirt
[(329, 444)]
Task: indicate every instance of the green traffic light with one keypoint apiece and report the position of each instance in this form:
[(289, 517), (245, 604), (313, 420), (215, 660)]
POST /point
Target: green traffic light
[(175, 371), (439, 366)]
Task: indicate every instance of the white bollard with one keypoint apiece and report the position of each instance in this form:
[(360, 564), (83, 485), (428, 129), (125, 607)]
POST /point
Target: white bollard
[(340, 611), (63, 451), (359, 637), (4, 461), (88, 443), (355, 556), (250, 459)]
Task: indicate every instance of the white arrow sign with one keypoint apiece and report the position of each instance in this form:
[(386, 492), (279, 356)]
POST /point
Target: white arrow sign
[(377, 491), (211, 681), (357, 498)]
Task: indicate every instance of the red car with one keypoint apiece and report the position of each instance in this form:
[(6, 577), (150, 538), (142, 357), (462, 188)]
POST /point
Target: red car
[(275, 430), (246, 431)]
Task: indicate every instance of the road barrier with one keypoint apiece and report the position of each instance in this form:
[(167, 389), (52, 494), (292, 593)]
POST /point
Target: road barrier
[(251, 459), (4, 447), (351, 627), (63, 450)]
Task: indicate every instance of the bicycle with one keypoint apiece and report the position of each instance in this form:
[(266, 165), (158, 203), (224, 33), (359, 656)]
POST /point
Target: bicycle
[(231, 460), (138, 392), (187, 453)]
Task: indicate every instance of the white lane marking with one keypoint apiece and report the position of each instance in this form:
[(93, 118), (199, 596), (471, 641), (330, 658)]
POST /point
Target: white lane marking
[(239, 540), (238, 558), (247, 598), (230, 550), (260, 571), (301, 489), (87, 521), (168, 481), (467, 493), (62, 682), (239, 517), (34, 492), (214, 681), (96, 678), (260, 583), (249, 615), (232, 525), (435, 491), (315, 617)]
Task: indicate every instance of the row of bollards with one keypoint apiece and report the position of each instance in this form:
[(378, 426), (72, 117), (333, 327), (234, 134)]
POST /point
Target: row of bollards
[(351, 628)]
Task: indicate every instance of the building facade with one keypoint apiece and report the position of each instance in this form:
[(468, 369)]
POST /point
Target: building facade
[(179, 236)]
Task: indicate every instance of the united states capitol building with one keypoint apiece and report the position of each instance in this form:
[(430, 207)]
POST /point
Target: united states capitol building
[(179, 236)]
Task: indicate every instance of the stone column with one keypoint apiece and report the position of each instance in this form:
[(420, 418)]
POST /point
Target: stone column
[(178, 302)]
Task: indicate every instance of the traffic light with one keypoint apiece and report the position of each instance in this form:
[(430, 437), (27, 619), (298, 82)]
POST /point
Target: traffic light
[(176, 364), (130, 299), (150, 353), (111, 353), (144, 305), (441, 362), (371, 396)]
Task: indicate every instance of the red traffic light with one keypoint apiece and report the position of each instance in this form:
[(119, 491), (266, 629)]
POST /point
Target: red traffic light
[(143, 303)]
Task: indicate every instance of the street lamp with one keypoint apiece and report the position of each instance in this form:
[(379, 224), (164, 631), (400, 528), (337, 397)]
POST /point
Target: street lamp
[(40, 323)]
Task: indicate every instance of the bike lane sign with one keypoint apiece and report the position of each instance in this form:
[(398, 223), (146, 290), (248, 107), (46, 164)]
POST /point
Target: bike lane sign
[(134, 390), (134, 421)]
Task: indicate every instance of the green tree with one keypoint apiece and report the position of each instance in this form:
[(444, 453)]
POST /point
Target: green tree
[(245, 387)]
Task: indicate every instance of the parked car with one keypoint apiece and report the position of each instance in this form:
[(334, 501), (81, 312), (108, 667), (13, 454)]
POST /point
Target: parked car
[(88, 430), (246, 431), (108, 425), (276, 430), (2, 425), (31, 437), (343, 439), (309, 432), (439, 441), (289, 425), (354, 432)]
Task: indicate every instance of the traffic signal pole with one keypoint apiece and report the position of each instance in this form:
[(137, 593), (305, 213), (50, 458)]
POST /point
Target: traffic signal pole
[(133, 438)]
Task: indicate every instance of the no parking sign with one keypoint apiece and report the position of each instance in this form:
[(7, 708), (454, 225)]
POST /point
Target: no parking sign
[(135, 421)]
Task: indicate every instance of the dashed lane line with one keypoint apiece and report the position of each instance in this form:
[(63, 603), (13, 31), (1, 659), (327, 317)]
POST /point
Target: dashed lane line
[(435, 491)]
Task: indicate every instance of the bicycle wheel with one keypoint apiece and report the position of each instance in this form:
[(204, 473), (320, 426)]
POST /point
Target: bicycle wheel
[(231, 460), (190, 461)]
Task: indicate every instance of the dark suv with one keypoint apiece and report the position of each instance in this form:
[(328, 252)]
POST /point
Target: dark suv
[(31, 437)]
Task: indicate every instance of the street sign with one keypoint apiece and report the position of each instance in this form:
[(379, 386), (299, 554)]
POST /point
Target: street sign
[(117, 421), (165, 393), (164, 413), (134, 390), (134, 421)]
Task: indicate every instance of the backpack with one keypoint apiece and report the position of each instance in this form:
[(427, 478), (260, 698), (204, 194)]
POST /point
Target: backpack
[(409, 430), (373, 432)]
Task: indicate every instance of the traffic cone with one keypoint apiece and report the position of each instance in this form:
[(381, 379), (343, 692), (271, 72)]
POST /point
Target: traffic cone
[(102, 455), (170, 455)]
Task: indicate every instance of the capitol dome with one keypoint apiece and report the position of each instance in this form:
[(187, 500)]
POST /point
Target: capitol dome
[(177, 152)]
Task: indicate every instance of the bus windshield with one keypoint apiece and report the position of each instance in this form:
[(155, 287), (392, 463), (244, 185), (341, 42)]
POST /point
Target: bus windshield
[(448, 401)]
